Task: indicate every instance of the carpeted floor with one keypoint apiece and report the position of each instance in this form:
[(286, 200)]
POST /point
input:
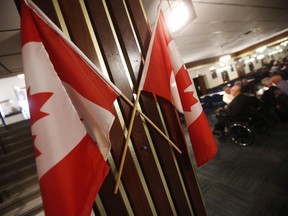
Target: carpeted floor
[(248, 181)]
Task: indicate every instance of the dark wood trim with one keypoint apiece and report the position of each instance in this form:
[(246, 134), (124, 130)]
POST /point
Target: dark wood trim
[(177, 137), (190, 179), (166, 159), (139, 139), (237, 54), (77, 28), (126, 39), (163, 149), (113, 203), (140, 24), (268, 42), (48, 8)]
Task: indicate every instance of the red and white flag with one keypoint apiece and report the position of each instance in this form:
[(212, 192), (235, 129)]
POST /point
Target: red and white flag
[(71, 110), (164, 74)]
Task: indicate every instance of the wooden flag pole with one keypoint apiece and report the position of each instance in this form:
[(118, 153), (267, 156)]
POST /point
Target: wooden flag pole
[(150, 122), (126, 143), (129, 134)]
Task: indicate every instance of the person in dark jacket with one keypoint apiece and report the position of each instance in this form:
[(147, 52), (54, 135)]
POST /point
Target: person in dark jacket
[(248, 88), (269, 96), (275, 99), (241, 104)]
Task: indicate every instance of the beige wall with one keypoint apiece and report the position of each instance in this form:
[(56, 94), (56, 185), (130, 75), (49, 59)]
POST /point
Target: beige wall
[(7, 92)]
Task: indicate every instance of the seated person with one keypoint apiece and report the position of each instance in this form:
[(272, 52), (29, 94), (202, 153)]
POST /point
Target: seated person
[(227, 97), (275, 99), (270, 95), (280, 83), (239, 83), (248, 88), (282, 107), (240, 105)]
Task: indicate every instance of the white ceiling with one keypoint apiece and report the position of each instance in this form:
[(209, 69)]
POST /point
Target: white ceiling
[(221, 27), (10, 45), (226, 26)]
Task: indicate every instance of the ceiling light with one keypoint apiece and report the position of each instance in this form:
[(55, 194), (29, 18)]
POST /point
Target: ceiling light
[(225, 58), (261, 56), (180, 15), (261, 49), (249, 60), (284, 43), (21, 76)]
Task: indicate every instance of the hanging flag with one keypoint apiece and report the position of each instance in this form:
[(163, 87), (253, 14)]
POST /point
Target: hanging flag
[(164, 74), (67, 98)]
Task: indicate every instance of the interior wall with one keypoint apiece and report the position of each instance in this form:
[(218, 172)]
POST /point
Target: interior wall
[(7, 92), (215, 79)]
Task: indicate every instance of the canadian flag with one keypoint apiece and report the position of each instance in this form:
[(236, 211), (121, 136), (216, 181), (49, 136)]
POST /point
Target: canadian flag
[(164, 74), (67, 98)]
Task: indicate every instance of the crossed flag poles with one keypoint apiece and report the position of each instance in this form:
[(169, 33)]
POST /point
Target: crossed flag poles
[(136, 109)]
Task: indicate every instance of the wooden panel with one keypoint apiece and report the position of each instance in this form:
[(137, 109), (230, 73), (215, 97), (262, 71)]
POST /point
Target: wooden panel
[(78, 30), (48, 8), (185, 166), (113, 202), (173, 124), (162, 147), (141, 26), (117, 140), (126, 39), (166, 159), (147, 162)]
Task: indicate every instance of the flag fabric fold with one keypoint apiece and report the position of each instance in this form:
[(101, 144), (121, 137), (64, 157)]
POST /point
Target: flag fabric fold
[(164, 74), (71, 115)]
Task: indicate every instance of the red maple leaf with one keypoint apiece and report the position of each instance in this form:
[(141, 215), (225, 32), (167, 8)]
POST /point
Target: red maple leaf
[(184, 82), (36, 101)]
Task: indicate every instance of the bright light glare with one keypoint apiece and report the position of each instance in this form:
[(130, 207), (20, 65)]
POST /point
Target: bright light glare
[(178, 17), (225, 58), (261, 49), (21, 76)]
